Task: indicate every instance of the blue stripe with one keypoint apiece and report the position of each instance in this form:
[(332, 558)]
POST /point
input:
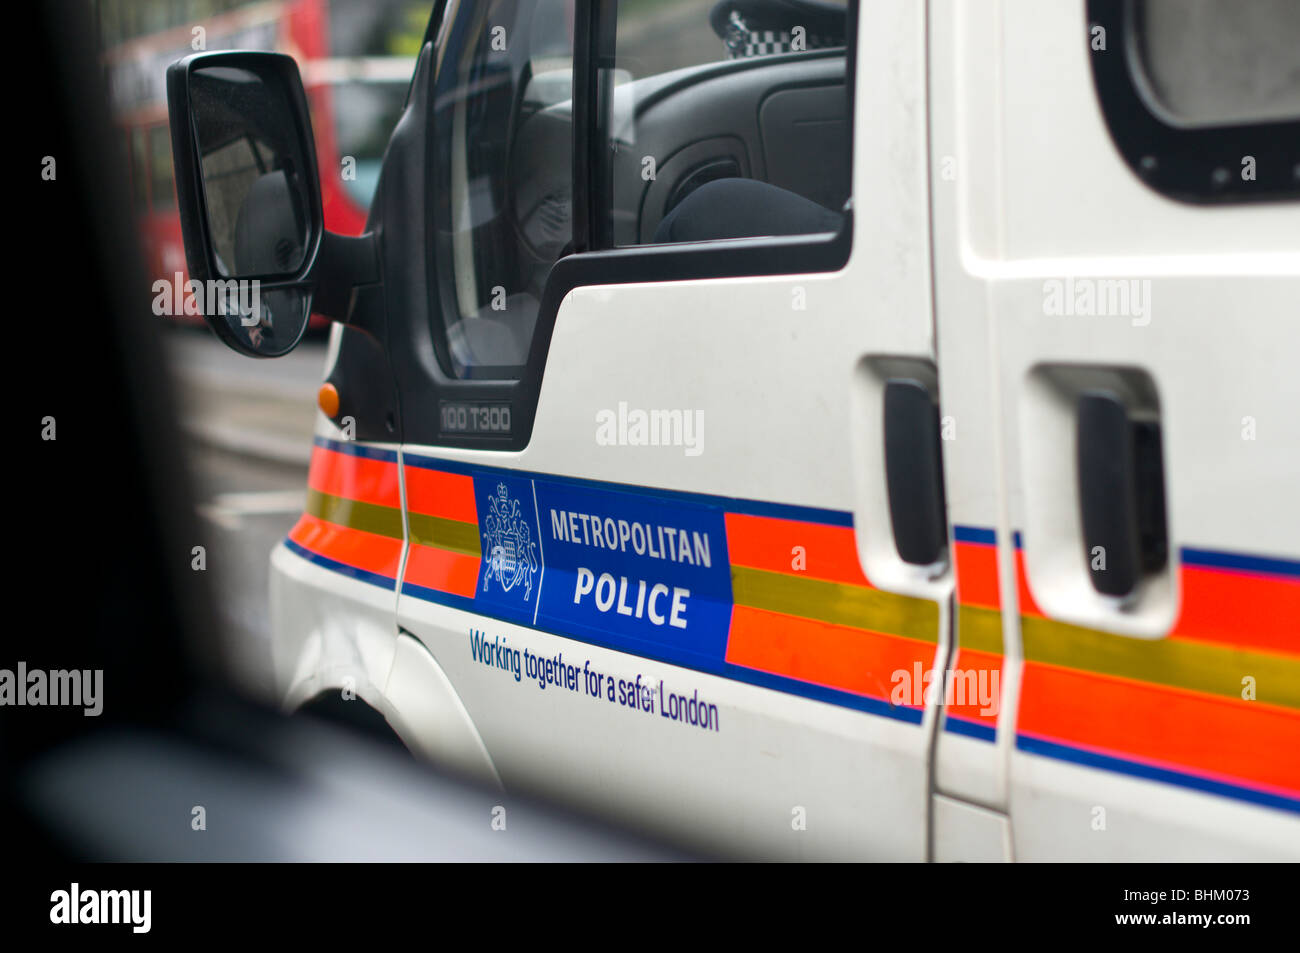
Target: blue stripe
[(971, 729), (1240, 562), (1050, 749), (784, 511), (790, 686), (463, 603), (1017, 540), (1207, 558), (975, 534), (356, 449), (374, 578)]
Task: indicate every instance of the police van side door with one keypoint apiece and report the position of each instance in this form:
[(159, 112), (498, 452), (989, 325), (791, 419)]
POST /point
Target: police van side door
[(1143, 299), (661, 575)]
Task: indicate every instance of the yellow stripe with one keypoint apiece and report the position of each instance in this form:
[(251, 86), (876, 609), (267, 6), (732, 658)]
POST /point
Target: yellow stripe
[(836, 602), (453, 535), (368, 517), (1196, 666), (979, 629), (1178, 663)]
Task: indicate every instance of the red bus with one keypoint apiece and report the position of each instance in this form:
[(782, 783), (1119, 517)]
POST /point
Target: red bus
[(356, 58)]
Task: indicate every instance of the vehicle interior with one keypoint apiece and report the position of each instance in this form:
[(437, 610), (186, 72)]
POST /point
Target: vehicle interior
[(752, 143)]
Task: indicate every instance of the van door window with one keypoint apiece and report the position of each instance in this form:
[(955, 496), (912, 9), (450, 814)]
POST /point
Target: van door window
[(1202, 98), (503, 173), (1211, 63), (724, 119)]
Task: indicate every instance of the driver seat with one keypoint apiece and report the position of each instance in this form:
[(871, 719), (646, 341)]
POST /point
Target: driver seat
[(743, 208)]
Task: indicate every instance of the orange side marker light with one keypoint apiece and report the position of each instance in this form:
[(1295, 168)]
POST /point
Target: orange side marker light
[(328, 400)]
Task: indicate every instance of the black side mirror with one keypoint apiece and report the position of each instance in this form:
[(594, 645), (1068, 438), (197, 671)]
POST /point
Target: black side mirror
[(248, 188)]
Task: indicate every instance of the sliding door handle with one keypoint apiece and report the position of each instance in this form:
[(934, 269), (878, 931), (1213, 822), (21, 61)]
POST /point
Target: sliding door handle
[(1121, 493), (914, 472)]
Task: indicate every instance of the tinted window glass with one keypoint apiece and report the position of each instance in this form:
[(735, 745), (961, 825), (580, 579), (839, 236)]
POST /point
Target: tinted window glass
[(503, 171), (1210, 62), (724, 119)]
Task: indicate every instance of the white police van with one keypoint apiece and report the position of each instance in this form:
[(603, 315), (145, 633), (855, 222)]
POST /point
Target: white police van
[(809, 429)]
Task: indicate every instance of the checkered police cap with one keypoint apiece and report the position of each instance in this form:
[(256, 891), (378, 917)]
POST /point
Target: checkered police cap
[(765, 27)]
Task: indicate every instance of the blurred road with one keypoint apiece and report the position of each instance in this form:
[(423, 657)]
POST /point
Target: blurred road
[(249, 425)]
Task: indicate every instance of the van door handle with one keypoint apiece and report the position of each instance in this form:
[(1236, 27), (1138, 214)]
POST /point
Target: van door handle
[(1121, 493), (914, 472)]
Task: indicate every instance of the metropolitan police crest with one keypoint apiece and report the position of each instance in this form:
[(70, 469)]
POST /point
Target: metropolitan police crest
[(512, 558)]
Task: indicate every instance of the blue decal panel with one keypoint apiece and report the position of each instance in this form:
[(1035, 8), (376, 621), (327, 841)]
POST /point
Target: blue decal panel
[(636, 572)]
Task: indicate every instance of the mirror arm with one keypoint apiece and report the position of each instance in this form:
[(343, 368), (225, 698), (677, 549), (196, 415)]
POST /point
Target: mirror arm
[(343, 263)]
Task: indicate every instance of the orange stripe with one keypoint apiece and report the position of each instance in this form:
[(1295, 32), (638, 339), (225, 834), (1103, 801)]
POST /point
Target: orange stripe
[(968, 660), (447, 495), (442, 569), (353, 547), (354, 478), (1238, 609), (762, 542), (834, 656), (977, 575), (1027, 604), (1224, 737)]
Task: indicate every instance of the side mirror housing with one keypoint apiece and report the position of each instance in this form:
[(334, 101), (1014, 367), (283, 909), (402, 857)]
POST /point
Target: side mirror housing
[(260, 260)]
